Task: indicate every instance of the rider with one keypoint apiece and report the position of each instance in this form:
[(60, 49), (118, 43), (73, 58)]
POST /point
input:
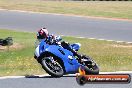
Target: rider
[(44, 34)]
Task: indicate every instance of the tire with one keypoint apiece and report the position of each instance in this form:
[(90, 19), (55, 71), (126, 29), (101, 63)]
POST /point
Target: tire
[(91, 67), (50, 67), (94, 71)]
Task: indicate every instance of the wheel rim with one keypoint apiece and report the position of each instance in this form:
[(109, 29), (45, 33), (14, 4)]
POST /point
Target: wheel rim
[(53, 66)]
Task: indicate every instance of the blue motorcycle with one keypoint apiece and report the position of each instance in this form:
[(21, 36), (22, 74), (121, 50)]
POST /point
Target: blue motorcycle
[(59, 58)]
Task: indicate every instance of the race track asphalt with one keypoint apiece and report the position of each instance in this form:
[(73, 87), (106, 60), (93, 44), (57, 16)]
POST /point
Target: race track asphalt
[(67, 25), (49, 82)]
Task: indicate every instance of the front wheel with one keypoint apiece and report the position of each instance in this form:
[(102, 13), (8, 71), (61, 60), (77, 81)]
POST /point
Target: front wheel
[(52, 67)]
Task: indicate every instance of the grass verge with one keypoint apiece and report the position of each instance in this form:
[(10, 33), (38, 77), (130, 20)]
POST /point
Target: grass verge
[(110, 56), (112, 9)]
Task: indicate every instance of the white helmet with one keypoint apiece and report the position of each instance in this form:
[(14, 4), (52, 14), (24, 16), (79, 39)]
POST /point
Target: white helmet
[(42, 33)]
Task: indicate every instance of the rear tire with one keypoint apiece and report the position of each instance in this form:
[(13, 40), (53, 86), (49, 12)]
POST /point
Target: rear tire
[(93, 71), (91, 67), (54, 69)]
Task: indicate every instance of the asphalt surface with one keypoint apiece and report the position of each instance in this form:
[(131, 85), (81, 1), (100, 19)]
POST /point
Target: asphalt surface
[(49, 82), (67, 25)]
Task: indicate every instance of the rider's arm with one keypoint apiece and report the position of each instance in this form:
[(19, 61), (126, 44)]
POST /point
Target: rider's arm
[(51, 39), (58, 38)]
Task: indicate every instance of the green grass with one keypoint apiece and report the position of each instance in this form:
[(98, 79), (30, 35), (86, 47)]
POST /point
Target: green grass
[(112, 9), (110, 56), (19, 61)]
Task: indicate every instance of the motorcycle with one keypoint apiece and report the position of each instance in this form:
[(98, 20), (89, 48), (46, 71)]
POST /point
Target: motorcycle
[(57, 60)]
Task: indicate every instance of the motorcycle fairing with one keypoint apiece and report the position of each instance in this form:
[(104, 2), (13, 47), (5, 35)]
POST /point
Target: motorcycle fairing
[(71, 65)]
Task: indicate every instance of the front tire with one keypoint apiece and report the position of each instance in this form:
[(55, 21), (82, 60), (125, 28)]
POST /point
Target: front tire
[(52, 67)]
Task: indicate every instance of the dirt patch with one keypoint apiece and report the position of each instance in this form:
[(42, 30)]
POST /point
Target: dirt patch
[(15, 46)]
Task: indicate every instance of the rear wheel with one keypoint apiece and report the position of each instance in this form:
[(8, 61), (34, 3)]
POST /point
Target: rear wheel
[(52, 67), (91, 67)]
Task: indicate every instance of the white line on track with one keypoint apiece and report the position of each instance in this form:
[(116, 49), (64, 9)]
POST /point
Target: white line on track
[(15, 77), (6, 77), (100, 39)]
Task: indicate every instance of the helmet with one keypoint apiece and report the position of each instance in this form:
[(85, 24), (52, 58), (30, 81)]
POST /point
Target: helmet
[(42, 33)]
